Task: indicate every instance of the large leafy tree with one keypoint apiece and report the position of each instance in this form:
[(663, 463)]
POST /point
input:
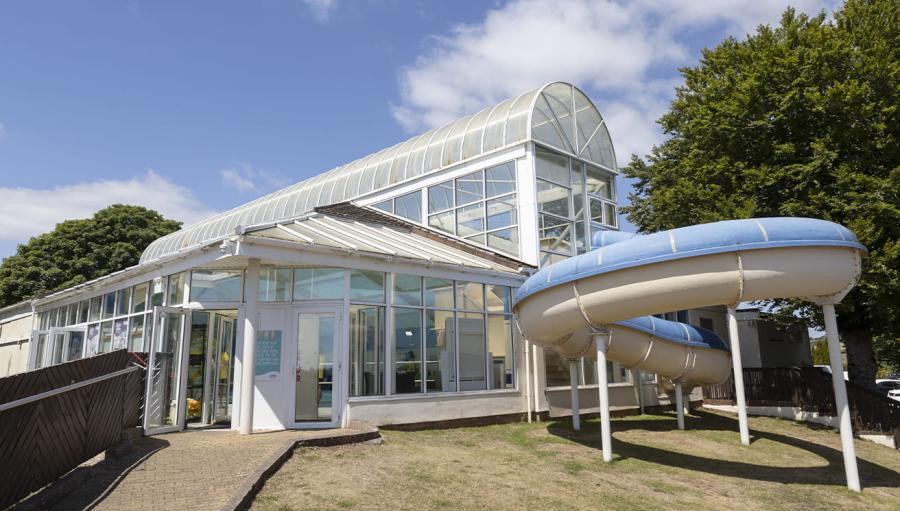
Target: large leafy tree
[(80, 250), (796, 120)]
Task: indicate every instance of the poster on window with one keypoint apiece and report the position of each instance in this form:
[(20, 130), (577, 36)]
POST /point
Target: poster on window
[(268, 354), (120, 334), (93, 339)]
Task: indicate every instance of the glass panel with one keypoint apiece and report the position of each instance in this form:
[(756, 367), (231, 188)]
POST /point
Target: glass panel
[(506, 240), (123, 301), (552, 166), (63, 317), (407, 289), (550, 258), (162, 410), (275, 285), (500, 352), (56, 357), (407, 351), (556, 369), (136, 334), (556, 234), (197, 354), (600, 183), (76, 346), (158, 292), (478, 238), (93, 339), (470, 219), (385, 205), (559, 97), (440, 359), (596, 211), (470, 188), (223, 334), (470, 295), (581, 238), (216, 285), (120, 334), (73, 314), (318, 283), (438, 293), (609, 214), (140, 297), (440, 197), (367, 286), (472, 141), (367, 350), (106, 337), (445, 221), (544, 127), (409, 206), (553, 199), (176, 289), (315, 365), (109, 305), (498, 298), (501, 212), (500, 179), (472, 352), (83, 308), (496, 124)]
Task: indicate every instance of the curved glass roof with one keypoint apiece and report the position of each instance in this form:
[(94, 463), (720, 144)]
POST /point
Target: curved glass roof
[(558, 115)]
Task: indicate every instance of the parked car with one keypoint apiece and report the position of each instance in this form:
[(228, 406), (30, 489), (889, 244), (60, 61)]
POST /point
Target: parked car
[(894, 394), (887, 384), (827, 369)]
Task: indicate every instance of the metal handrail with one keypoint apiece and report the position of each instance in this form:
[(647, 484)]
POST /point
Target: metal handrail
[(50, 393)]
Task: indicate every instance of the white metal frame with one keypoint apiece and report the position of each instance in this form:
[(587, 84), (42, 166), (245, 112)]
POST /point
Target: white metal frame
[(162, 314), (338, 390)]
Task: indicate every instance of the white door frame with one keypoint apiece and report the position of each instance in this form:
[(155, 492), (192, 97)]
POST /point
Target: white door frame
[(337, 375), (66, 332), (181, 378)]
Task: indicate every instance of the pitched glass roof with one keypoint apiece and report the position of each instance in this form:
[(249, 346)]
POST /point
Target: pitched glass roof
[(557, 115)]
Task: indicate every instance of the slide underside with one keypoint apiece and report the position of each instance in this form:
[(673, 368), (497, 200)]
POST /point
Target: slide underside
[(721, 263)]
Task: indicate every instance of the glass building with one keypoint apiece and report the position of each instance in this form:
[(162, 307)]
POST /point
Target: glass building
[(378, 291)]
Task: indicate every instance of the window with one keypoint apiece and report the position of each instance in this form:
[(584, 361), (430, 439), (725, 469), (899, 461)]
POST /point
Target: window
[(106, 336), (409, 206), (440, 359), (367, 350), (275, 285), (470, 295), (95, 309), (407, 350), (136, 334), (83, 308), (216, 285), (472, 352), (73, 314), (479, 207), (318, 284), (123, 301), (158, 292), (408, 289), (109, 305), (139, 302), (176, 289), (500, 351), (574, 200), (386, 205), (120, 334), (367, 286), (438, 293)]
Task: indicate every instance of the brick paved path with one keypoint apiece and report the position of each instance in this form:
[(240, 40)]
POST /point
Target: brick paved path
[(195, 470)]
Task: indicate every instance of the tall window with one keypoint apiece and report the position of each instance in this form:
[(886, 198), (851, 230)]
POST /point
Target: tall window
[(574, 200), (479, 207)]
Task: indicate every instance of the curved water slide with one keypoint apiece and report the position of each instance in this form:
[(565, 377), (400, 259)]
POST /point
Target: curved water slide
[(588, 303)]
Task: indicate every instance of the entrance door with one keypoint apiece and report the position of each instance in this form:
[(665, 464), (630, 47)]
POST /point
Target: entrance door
[(222, 377), (317, 375), (164, 408)]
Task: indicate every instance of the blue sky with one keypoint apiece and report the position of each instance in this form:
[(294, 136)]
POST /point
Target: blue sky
[(196, 107)]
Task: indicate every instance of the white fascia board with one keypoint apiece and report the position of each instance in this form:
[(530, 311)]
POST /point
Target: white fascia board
[(291, 253)]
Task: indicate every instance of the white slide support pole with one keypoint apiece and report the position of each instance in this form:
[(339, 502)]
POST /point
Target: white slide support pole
[(248, 362), (573, 382), (840, 398), (738, 375), (679, 406), (601, 339), (536, 381), (527, 380), (638, 388)]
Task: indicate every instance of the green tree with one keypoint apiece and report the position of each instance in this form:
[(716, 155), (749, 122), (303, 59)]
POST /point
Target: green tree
[(796, 120), (80, 250), (820, 352)]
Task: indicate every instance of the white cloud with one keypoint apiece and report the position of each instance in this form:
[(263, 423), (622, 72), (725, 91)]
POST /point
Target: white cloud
[(625, 55), (321, 10), (245, 178), (25, 212)]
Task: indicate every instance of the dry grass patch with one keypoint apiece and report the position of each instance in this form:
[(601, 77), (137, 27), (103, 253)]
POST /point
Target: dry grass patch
[(549, 466)]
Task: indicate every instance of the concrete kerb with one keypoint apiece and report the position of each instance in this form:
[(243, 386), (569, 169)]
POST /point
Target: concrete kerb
[(243, 496)]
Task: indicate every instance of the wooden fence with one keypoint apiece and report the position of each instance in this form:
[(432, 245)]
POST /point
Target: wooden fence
[(54, 419), (810, 389)]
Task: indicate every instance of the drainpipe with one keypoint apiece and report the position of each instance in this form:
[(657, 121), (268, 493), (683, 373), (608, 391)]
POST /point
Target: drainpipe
[(738, 375), (248, 361)]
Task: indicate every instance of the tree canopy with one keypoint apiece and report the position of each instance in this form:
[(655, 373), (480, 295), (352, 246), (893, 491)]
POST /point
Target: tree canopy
[(795, 120), (80, 250)]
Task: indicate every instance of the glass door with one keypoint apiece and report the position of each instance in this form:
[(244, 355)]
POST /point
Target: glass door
[(164, 408), (39, 340), (68, 344), (223, 376), (317, 375)]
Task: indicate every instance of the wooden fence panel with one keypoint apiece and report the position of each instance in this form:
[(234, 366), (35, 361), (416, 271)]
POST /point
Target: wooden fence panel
[(42, 440)]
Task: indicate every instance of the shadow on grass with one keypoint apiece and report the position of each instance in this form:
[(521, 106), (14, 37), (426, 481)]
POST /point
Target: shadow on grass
[(871, 474)]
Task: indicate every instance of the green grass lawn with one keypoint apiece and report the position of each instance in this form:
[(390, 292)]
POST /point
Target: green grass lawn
[(548, 466)]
